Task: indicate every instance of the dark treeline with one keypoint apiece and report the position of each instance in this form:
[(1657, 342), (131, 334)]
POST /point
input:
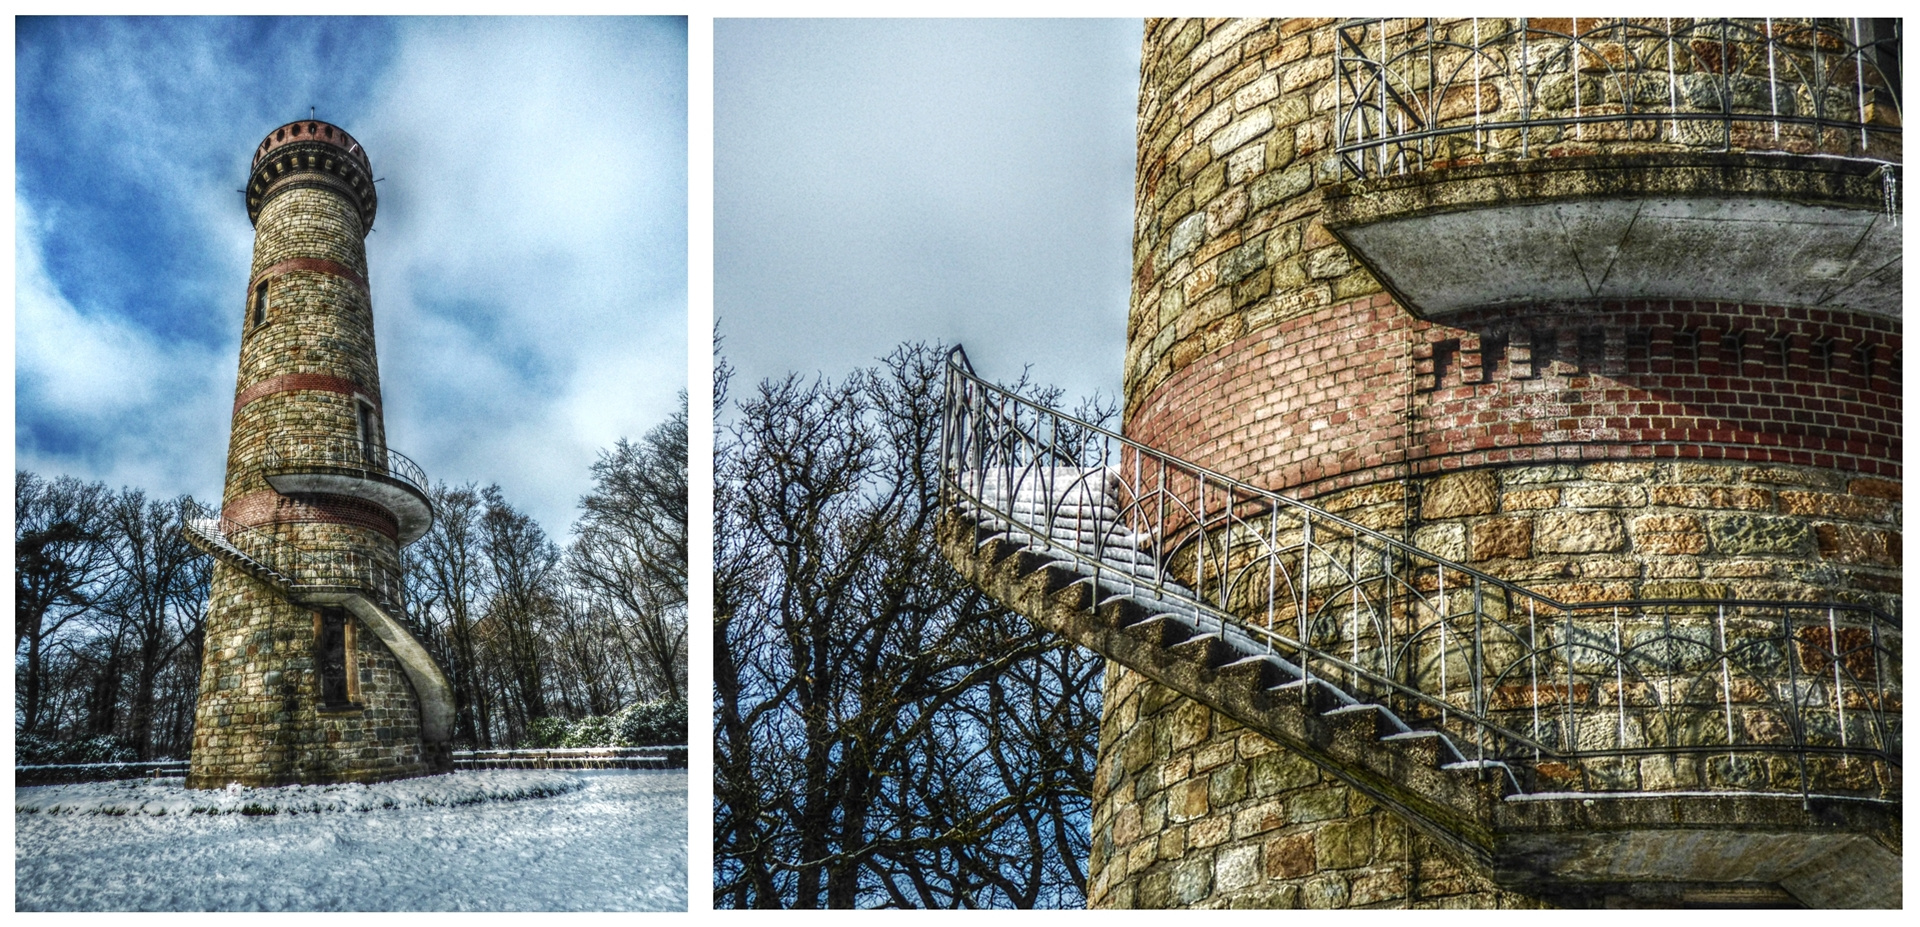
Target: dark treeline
[(110, 606), (884, 734)]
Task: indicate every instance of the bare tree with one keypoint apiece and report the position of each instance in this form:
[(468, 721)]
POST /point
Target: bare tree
[(885, 735), (525, 572), (630, 548), (157, 598), (446, 577), (60, 555)]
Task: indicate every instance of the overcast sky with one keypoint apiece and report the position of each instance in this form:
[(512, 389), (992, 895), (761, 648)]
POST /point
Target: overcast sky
[(963, 180), (528, 263)]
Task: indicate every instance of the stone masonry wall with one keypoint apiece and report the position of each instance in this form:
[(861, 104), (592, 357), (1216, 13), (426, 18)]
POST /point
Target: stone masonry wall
[(1593, 452), (1614, 530), (1193, 810), (259, 720)]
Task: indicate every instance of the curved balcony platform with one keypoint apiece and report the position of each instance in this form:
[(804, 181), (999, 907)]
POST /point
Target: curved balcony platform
[(1767, 229), (344, 466)]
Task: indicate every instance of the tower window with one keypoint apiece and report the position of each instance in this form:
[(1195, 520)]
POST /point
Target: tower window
[(334, 658), (368, 423), (260, 303)]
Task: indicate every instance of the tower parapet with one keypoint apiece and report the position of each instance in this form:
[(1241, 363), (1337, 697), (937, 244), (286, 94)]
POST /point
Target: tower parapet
[(311, 153)]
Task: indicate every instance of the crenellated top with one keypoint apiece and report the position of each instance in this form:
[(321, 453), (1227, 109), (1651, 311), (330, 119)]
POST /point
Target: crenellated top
[(306, 153)]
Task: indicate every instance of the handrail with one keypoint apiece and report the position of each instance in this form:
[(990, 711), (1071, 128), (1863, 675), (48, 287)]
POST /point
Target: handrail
[(304, 571), (1512, 674), (343, 452), (1415, 92)]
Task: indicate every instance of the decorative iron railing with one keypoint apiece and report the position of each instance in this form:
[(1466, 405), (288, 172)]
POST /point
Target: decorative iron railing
[(343, 453), (1419, 93), (299, 571), (1658, 695)]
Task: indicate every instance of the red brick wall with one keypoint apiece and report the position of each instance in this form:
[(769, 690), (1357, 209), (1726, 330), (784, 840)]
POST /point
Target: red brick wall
[(1320, 401)]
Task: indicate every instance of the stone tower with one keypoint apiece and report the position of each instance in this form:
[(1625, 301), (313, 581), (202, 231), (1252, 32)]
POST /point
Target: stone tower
[(312, 673), (1508, 506), (1429, 274)]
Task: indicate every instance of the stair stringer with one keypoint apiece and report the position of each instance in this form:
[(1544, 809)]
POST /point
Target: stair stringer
[(1449, 807)]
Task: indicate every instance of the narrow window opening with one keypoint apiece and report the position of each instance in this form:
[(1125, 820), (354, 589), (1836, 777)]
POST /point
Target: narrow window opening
[(260, 304), (1639, 349), (1592, 350), (1493, 357), (368, 423), (1863, 361), (334, 659), (1779, 352)]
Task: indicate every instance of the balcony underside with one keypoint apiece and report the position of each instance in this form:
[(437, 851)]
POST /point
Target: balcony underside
[(410, 508), (1772, 230)]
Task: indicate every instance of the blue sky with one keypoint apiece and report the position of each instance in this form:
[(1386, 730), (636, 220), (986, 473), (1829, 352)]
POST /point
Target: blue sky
[(877, 181), (528, 264)]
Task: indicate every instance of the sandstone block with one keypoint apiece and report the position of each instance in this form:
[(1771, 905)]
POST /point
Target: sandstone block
[(1578, 532), (1443, 540), (1669, 534), (1759, 534), (1834, 505), (1345, 844), (1326, 891), (1605, 496), (1616, 471), (1711, 497), (1850, 544), (1522, 500), (1211, 831), (1290, 856), (1237, 867), (1227, 785), (1193, 878), (1502, 538), (1187, 800), (1472, 492)]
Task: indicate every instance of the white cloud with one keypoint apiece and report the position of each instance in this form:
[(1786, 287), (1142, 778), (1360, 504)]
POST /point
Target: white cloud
[(528, 265), (97, 373)]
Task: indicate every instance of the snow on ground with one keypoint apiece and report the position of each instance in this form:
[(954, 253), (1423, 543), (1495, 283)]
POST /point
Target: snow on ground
[(612, 840), (169, 796)]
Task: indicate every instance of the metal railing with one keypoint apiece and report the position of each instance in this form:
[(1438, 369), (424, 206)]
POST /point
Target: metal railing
[(300, 571), (1416, 93), (1657, 695), (343, 452)]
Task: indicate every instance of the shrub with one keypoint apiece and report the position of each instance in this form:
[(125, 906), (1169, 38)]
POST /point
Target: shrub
[(646, 724), (592, 731), (544, 733)]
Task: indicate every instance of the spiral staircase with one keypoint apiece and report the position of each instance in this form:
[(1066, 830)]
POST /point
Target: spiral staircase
[(1559, 749)]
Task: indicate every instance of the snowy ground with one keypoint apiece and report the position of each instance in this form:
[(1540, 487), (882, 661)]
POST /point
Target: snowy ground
[(474, 841)]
